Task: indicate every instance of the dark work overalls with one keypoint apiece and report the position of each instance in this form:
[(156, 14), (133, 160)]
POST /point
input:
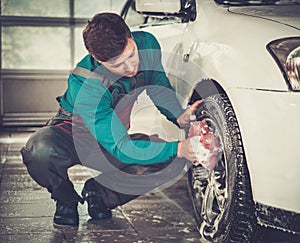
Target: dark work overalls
[(50, 151)]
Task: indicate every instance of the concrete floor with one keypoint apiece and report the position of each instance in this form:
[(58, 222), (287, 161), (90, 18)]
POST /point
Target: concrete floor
[(26, 210)]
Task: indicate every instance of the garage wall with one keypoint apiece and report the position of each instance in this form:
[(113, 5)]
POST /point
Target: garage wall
[(28, 99)]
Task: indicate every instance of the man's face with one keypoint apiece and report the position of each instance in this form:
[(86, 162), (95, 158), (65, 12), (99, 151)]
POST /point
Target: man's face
[(127, 63)]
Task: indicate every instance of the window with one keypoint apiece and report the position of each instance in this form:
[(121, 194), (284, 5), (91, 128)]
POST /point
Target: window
[(42, 8), (43, 34), (41, 41), (25, 47)]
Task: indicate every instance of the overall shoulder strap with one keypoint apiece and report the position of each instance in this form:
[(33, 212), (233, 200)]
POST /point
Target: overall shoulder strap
[(88, 74)]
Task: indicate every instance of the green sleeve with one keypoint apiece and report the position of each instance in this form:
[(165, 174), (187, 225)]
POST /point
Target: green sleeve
[(158, 85), (94, 104)]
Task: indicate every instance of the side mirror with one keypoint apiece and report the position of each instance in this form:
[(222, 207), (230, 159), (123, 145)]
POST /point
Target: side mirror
[(158, 6), (184, 9)]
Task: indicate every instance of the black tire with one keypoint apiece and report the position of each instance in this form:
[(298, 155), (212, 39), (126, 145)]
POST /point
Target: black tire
[(222, 198)]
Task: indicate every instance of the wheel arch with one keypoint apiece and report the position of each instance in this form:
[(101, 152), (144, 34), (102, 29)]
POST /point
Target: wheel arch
[(206, 88)]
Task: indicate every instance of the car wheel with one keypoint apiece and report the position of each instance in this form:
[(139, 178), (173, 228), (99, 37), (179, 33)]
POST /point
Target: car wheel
[(222, 198)]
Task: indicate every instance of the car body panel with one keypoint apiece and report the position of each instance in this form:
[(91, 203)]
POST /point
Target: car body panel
[(285, 14), (214, 47), (271, 144)]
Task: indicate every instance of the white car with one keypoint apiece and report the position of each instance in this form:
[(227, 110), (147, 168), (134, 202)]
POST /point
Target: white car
[(243, 58)]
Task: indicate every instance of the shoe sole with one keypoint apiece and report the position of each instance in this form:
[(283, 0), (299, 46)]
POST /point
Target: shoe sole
[(64, 225)]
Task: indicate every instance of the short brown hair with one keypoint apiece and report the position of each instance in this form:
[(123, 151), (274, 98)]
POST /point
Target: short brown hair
[(106, 36)]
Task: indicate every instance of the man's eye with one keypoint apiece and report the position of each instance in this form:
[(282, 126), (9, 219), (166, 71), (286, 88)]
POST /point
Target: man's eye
[(116, 66)]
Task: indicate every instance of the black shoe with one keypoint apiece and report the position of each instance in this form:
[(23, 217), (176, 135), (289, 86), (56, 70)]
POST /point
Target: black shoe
[(66, 214), (96, 207)]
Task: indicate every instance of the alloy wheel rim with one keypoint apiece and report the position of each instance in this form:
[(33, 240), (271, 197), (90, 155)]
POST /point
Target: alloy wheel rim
[(211, 190)]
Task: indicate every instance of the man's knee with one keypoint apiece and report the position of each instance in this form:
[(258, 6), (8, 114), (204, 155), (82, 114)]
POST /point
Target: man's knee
[(38, 147), (37, 155)]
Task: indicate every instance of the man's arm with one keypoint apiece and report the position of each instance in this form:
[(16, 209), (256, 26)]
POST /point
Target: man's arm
[(94, 105)]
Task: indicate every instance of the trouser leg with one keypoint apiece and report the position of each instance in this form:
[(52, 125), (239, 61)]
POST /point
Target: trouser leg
[(47, 155), (50, 152), (113, 198)]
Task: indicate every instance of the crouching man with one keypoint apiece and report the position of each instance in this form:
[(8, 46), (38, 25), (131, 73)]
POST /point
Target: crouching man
[(91, 125)]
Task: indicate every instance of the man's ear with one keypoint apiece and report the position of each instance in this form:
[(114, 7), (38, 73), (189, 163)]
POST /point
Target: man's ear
[(96, 58)]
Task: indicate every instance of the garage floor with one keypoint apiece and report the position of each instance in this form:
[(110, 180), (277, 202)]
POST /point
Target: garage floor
[(26, 210)]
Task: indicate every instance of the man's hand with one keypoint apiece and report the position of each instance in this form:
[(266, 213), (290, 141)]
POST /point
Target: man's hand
[(185, 150), (198, 152), (184, 119), (205, 145)]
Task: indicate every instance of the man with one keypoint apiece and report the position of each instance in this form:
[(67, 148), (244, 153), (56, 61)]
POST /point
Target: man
[(95, 110)]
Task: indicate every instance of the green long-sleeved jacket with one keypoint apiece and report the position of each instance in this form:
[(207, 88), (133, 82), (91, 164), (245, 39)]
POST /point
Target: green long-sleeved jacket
[(90, 99)]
